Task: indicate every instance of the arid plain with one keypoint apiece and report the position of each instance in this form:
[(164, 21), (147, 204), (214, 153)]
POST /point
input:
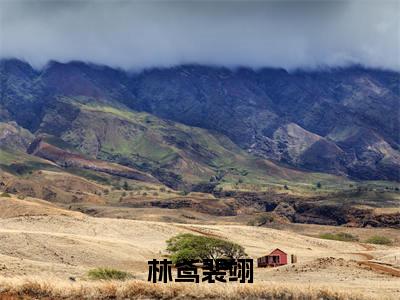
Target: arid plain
[(40, 241)]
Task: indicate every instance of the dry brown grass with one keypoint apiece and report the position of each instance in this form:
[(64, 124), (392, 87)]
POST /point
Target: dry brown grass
[(53, 289), (11, 207)]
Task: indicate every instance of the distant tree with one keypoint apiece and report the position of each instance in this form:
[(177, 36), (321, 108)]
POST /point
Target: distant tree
[(184, 192), (187, 246), (126, 186)]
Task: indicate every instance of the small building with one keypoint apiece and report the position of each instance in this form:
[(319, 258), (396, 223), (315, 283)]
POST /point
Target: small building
[(274, 259)]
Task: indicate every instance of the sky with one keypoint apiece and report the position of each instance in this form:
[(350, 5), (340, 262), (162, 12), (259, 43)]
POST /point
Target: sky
[(143, 34)]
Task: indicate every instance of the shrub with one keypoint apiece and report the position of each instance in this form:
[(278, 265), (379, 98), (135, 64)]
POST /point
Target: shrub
[(107, 274), (340, 236), (188, 246), (379, 240), (184, 193), (4, 194), (126, 186)]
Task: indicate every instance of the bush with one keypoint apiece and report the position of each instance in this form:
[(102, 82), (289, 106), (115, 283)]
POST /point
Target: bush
[(107, 274), (4, 194), (340, 236), (379, 240), (183, 193), (184, 247), (126, 186)]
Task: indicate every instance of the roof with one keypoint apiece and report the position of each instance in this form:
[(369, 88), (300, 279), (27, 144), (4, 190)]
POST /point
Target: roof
[(277, 249)]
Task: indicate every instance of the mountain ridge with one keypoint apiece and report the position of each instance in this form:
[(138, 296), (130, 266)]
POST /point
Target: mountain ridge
[(326, 121)]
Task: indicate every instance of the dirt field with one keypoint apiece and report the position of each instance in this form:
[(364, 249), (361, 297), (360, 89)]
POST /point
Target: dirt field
[(41, 240)]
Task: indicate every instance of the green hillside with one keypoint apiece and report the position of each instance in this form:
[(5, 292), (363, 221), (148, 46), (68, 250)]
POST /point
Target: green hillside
[(178, 155)]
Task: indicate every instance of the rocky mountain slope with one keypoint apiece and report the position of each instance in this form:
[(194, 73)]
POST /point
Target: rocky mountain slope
[(340, 121)]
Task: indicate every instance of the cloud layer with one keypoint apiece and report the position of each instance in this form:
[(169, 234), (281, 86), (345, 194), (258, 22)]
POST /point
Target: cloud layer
[(138, 34)]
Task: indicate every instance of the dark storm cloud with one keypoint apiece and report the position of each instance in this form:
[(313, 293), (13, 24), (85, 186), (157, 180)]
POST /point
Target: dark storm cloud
[(136, 34)]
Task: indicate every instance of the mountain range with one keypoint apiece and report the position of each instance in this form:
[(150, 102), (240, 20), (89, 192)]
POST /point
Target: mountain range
[(193, 123)]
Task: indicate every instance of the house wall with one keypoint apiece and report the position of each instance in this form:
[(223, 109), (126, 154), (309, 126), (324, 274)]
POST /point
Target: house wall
[(282, 256)]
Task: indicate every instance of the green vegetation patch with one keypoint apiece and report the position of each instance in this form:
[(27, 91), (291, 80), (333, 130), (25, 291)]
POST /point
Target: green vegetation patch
[(379, 240), (108, 274), (148, 143), (19, 163), (340, 236), (91, 175), (186, 247), (58, 142)]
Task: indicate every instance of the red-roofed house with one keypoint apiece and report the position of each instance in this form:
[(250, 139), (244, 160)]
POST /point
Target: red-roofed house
[(274, 259)]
